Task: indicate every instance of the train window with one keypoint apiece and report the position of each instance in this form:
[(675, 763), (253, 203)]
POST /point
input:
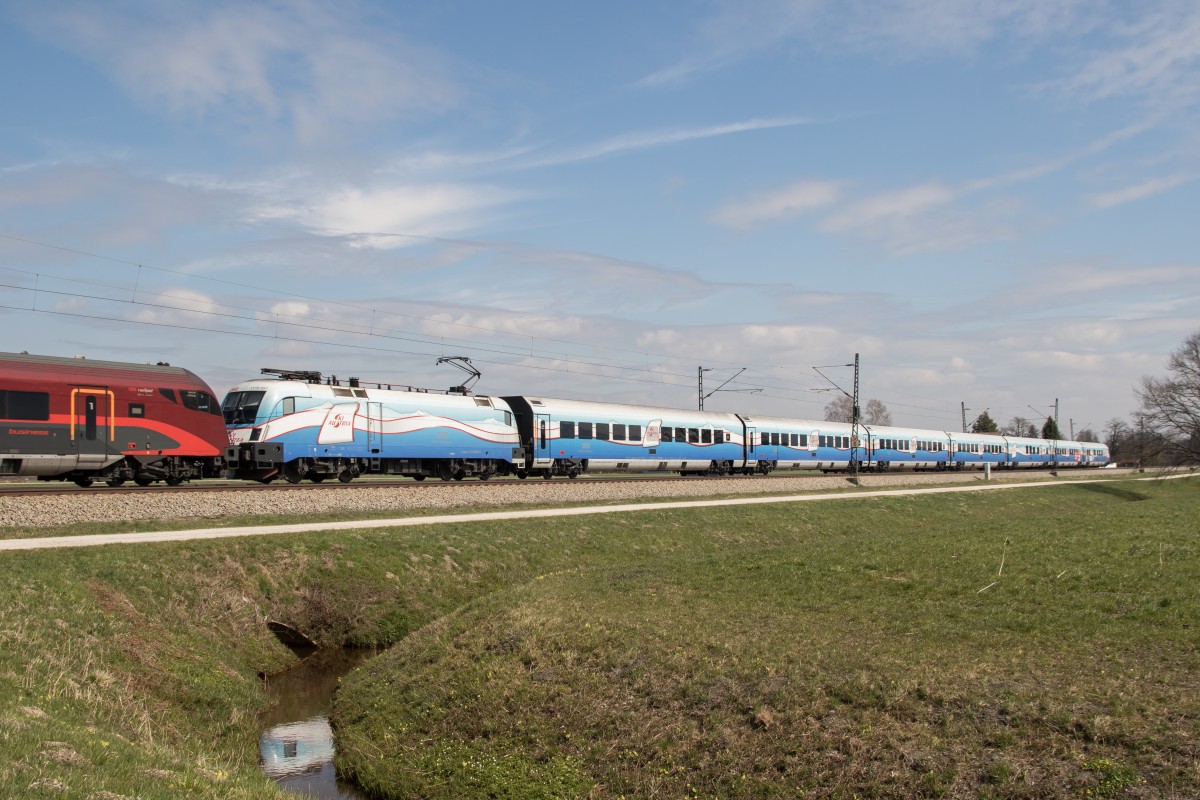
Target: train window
[(137, 410), (508, 418), (241, 408), (764, 439), (566, 430), (585, 430), (169, 394), (289, 405), (803, 437), (635, 433), (197, 400), (602, 431), (24, 405), (706, 436), (775, 439), (618, 432), (693, 435), (681, 434), (822, 441), (667, 435)]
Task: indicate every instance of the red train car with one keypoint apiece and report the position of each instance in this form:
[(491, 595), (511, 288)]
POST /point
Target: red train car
[(81, 420)]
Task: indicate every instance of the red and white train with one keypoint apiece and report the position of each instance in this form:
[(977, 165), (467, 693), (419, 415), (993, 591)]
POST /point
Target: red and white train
[(84, 421)]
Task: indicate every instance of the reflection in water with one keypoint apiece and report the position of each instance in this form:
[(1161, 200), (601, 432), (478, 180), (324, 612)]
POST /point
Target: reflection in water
[(296, 749)]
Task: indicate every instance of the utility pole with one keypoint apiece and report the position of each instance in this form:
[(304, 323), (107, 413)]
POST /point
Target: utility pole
[(964, 415), (854, 427), (700, 384)]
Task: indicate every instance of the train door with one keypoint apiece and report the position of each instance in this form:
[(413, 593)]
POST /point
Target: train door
[(92, 433), (374, 429), (542, 456), (751, 446)]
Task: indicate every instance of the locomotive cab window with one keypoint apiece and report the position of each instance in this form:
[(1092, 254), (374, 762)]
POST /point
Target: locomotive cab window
[(241, 408)]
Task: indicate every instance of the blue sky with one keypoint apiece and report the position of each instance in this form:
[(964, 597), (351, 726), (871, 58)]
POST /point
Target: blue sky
[(993, 203)]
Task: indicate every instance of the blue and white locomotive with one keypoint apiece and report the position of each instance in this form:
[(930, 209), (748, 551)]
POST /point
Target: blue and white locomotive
[(298, 426)]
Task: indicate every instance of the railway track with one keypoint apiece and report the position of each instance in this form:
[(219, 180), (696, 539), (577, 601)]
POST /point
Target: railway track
[(42, 489)]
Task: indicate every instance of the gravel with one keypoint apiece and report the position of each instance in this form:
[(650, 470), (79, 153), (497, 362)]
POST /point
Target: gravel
[(98, 506)]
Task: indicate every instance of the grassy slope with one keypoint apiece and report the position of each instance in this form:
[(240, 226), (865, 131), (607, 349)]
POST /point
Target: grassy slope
[(873, 650), (654, 649)]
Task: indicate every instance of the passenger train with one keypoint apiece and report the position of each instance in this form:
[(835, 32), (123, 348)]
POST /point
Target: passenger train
[(81, 420), (300, 426), (85, 421)]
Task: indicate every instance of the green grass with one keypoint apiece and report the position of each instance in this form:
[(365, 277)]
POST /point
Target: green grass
[(877, 650), (832, 649)]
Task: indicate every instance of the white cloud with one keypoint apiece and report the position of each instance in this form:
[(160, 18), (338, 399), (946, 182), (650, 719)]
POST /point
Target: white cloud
[(644, 140), (1139, 191), (389, 217), (892, 30), (775, 205), (318, 67), (1156, 57)]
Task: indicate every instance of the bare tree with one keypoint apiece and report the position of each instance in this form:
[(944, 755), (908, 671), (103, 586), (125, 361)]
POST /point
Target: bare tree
[(841, 409), (1171, 405), (877, 413), (1019, 426)]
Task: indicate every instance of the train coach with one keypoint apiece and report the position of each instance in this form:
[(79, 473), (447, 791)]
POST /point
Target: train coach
[(300, 425), (80, 420)]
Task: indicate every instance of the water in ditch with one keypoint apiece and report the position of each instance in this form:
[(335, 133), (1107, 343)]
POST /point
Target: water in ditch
[(296, 747)]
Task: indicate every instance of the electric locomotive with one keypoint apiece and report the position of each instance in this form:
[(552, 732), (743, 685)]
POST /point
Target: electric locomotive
[(80, 420), (299, 425)]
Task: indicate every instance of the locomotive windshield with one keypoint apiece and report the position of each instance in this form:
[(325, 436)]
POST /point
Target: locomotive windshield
[(241, 407), (198, 400)]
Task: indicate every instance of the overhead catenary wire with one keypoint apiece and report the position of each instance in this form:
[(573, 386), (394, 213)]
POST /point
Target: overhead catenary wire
[(549, 349)]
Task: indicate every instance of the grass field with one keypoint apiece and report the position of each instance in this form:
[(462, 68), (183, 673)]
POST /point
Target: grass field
[(1028, 643), (1032, 644)]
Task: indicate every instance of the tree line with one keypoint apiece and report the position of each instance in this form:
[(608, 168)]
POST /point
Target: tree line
[(1164, 431)]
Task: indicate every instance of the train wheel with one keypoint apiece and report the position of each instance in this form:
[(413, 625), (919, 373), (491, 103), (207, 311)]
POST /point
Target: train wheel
[(316, 477), (522, 474), (418, 477), (84, 483), (460, 474), (173, 480), (114, 481), (345, 476), (143, 481), (483, 476)]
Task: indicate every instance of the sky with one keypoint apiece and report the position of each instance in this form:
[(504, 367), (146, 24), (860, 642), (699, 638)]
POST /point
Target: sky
[(994, 205)]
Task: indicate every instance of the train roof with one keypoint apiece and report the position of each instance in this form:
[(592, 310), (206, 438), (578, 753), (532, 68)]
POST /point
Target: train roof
[(597, 407), (79, 364)]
